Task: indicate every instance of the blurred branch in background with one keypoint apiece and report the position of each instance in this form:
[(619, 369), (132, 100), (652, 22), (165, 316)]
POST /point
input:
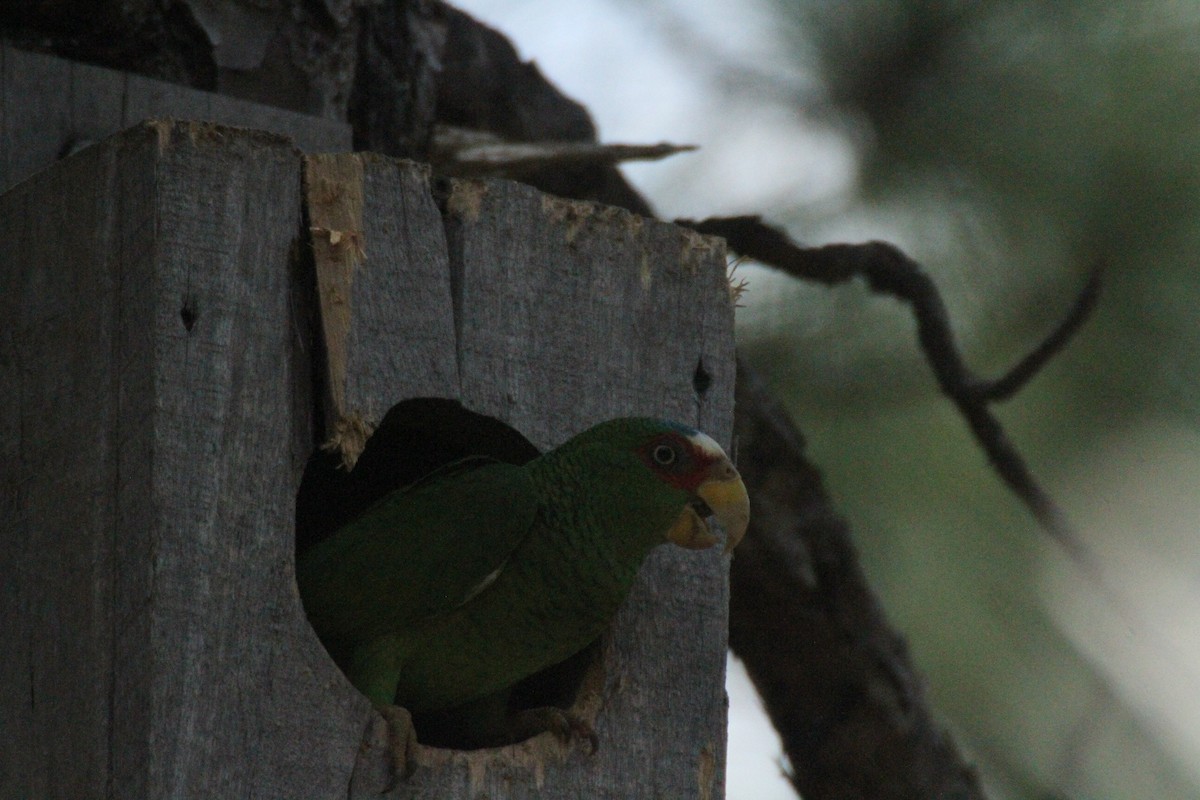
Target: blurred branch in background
[(466, 153), (887, 270), (1004, 144)]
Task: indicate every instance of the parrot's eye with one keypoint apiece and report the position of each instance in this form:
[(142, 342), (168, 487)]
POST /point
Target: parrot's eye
[(664, 455)]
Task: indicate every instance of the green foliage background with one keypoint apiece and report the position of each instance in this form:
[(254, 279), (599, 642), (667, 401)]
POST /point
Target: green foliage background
[(1010, 147)]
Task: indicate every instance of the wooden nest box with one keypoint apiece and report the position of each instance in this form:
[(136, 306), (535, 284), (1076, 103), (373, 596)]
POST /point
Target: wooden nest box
[(165, 374)]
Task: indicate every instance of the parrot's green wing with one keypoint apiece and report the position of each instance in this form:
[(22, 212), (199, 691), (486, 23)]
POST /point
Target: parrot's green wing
[(420, 551)]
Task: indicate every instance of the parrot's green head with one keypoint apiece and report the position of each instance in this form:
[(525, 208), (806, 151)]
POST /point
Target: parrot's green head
[(663, 462)]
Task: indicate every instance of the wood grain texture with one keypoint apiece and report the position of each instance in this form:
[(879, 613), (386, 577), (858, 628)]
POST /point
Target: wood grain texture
[(402, 340), (50, 106), (152, 463), (333, 195), (59, 443), (156, 413), (384, 284), (233, 652), (569, 313)]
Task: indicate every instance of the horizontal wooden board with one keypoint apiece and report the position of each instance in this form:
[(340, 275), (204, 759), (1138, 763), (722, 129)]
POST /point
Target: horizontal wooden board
[(50, 107)]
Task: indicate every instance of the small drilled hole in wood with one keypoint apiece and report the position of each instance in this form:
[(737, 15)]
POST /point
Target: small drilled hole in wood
[(189, 314), (701, 379)]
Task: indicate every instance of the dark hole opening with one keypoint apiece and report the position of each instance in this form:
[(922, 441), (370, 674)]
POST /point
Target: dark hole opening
[(701, 379), (415, 438), (188, 314)]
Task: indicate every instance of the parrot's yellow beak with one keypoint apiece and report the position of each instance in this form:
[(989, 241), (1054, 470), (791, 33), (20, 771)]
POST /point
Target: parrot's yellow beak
[(723, 496)]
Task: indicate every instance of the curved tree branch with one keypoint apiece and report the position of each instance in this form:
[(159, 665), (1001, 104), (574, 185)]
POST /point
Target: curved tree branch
[(887, 270)]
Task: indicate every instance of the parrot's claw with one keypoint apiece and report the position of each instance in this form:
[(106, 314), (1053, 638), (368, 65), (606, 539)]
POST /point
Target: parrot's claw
[(565, 725), (402, 744)]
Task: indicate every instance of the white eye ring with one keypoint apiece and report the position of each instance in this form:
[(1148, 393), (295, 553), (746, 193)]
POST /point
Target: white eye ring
[(664, 455)]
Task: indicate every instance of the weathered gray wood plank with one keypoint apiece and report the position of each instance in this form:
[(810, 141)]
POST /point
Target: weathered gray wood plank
[(384, 281), (49, 106), (155, 411), (152, 457), (226, 625), (58, 421), (129, 245), (572, 310), (403, 337), (569, 313)]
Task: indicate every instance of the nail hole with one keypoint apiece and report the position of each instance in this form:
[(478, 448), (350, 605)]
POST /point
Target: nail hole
[(701, 379), (188, 314)]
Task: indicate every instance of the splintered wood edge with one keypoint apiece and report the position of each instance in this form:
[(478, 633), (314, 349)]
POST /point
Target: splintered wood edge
[(170, 131), (575, 215), (349, 438), (333, 192)]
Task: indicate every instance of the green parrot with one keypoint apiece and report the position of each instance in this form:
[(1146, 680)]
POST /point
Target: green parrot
[(448, 592)]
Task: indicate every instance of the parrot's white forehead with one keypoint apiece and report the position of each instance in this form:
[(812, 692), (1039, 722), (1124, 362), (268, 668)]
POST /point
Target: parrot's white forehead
[(706, 444)]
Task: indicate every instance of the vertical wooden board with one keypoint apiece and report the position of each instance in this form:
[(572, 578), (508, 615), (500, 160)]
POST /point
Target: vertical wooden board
[(130, 258), (570, 313), (241, 701), (219, 422), (400, 338), (374, 222), (402, 341), (150, 462), (58, 412)]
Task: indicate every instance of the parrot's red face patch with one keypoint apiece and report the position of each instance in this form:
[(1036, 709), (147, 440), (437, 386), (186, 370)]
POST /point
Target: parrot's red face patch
[(678, 460)]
